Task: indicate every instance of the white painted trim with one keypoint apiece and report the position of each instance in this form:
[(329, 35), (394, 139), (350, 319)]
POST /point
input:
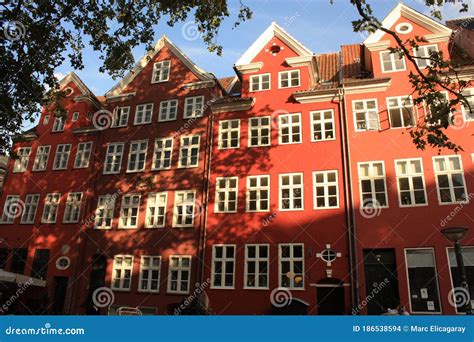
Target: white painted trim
[(256, 260), (325, 184), (259, 188), (226, 192), (322, 121), (410, 177), (223, 259), (140, 276), (280, 208)]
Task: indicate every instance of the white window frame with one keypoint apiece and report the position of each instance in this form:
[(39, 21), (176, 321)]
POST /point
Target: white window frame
[(322, 121), (11, 209), (223, 260), (410, 175), (162, 151), (168, 110), (179, 269), (426, 54), (51, 200), (371, 177), (255, 125), (143, 114), (258, 79), (256, 259), (225, 134), (72, 207), (116, 158), (161, 71), (325, 185), (123, 268), (367, 112), (290, 186), (449, 173), (75, 116), (393, 57), (187, 144), (156, 201), (427, 108), (288, 73), (186, 204), (292, 260), (226, 190), (105, 211), (42, 155), (290, 126), (128, 208), (31, 208), (258, 189), (46, 120), (401, 105), (21, 163), (63, 152), (83, 154), (463, 108), (139, 156), (120, 117), (59, 124), (193, 107), (150, 268)]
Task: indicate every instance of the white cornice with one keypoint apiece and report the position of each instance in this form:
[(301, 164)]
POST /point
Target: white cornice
[(378, 46), (249, 68), (120, 97), (367, 88), (199, 85), (232, 106), (438, 37)]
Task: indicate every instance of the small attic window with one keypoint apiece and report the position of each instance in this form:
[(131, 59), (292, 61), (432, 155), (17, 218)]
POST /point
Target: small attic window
[(404, 28), (274, 49), (68, 91)]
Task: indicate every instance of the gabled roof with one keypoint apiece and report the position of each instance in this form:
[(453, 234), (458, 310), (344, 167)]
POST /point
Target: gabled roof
[(163, 41), (72, 77), (272, 31), (409, 13), (464, 23)]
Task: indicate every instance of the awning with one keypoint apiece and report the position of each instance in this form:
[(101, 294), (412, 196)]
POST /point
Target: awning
[(10, 277)]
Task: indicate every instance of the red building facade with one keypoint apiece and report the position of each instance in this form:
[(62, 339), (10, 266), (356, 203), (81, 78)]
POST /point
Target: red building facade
[(292, 187)]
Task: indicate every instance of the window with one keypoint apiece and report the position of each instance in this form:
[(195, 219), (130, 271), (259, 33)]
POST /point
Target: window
[(129, 211), (189, 151), (468, 112), (143, 114), (149, 274), (423, 54), (223, 266), (193, 107), (229, 134), (450, 179), (373, 187), (183, 214), (137, 156), (260, 82), (226, 194), (326, 189), (366, 115), (21, 163), (58, 125), (258, 193), (290, 128), (122, 272), (113, 158), (62, 156), (156, 210), (104, 214), (259, 131), (422, 280), (179, 273), (29, 211), (73, 207), (83, 155), (322, 125), (411, 182), (163, 154), (41, 158), (75, 116), (434, 108), (161, 71), (46, 120), (401, 111), (50, 210), (291, 191), (19, 260), (256, 266), (392, 61), (120, 117), (291, 270), (11, 209), (288, 79), (39, 268), (468, 258), (168, 110)]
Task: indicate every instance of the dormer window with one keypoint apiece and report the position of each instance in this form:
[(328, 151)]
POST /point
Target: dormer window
[(289, 79), (392, 61), (161, 71), (422, 55), (58, 125), (260, 82)]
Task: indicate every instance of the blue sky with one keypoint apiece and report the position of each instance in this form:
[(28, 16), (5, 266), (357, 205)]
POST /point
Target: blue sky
[(319, 25)]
